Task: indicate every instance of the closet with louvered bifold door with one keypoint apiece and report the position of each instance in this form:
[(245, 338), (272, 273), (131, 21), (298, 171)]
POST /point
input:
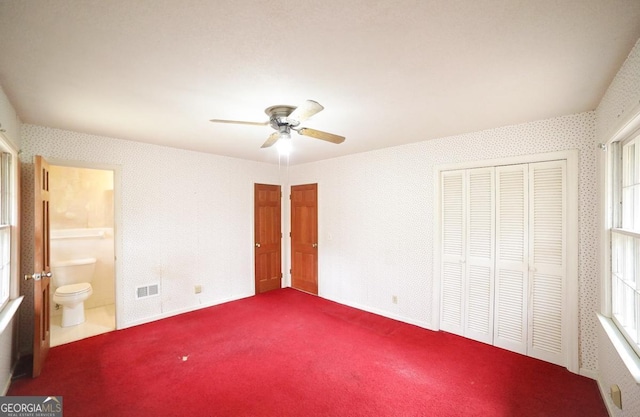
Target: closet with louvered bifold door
[(503, 247)]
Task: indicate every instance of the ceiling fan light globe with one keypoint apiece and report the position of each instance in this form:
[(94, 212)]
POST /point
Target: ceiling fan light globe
[(284, 144)]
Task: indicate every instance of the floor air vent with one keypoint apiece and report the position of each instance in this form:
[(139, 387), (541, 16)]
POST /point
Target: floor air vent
[(146, 291)]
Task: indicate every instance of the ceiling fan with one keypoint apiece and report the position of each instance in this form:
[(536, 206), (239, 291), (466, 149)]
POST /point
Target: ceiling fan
[(284, 119)]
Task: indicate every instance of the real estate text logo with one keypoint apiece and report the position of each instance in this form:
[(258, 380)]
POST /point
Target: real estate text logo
[(31, 406)]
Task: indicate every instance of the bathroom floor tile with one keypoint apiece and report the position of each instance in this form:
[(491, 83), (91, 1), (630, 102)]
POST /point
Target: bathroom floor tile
[(98, 320)]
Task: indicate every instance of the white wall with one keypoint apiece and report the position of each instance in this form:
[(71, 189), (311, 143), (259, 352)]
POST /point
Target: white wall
[(7, 355), (9, 121), (622, 97), (186, 219), (378, 209)]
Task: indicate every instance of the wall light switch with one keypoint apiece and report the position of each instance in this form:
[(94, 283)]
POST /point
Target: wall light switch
[(198, 289)]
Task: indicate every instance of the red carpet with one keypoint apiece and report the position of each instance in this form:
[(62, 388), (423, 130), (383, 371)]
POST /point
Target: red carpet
[(286, 353)]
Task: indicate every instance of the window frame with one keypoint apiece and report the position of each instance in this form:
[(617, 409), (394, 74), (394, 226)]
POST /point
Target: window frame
[(627, 127), (9, 217), (624, 227)]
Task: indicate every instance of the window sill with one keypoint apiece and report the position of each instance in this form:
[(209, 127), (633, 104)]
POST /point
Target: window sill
[(626, 353), (8, 312)]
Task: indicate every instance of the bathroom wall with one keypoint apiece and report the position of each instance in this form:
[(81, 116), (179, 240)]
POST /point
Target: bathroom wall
[(81, 198), (82, 217)]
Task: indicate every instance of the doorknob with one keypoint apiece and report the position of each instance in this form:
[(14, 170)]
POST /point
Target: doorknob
[(314, 245), (257, 245), (37, 276)]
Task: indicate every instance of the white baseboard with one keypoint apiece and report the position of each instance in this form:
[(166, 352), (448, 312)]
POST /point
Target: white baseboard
[(384, 313), (182, 311), (589, 373), (604, 393)]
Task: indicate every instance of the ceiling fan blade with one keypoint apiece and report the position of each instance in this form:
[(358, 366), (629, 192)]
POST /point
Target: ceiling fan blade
[(273, 138), (239, 122), (305, 110), (317, 134)]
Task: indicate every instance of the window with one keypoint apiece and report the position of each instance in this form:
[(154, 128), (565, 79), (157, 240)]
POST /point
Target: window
[(625, 238), (6, 211)]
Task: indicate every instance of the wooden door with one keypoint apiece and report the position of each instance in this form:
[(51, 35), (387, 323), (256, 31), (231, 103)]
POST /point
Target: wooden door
[(268, 237), (304, 237), (41, 265)]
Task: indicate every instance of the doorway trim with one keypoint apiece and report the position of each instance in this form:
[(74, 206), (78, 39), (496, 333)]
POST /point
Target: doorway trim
[(117, 220)]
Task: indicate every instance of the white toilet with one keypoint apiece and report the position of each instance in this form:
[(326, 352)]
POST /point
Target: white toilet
[(72, 279)]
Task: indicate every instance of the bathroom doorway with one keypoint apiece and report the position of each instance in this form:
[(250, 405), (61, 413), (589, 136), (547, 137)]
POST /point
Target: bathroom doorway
[(82, 218)]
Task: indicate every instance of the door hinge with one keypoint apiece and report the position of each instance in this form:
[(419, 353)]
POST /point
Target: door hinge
[(290, 272), (289, 234), (280, 274)]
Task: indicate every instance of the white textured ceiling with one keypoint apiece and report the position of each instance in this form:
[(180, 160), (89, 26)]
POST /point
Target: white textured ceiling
[(387, 72)]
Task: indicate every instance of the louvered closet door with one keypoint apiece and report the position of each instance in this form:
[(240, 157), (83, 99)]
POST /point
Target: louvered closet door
[(512, 263), (453, 236), (480, 243), (547, 265)]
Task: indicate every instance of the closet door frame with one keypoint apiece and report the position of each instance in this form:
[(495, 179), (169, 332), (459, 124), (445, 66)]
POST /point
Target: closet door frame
[(571, 323)]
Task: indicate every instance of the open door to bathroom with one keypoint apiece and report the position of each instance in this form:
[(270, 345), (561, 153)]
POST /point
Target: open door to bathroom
[(41, 265)]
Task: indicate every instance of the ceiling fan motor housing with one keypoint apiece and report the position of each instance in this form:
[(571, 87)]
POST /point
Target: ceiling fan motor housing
[(278, 117)]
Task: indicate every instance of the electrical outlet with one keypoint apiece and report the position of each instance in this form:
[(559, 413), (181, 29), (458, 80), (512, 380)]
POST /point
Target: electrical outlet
[(616, 396), (394, 299), (198, 289)]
